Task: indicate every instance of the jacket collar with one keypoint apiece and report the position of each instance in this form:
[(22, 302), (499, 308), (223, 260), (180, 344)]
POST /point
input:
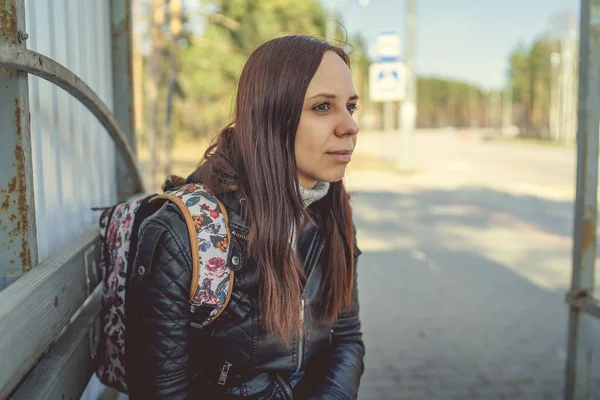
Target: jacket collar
[(235, 202)]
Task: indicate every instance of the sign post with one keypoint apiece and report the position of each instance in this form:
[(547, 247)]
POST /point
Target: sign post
[(408, 115), (387, 76)]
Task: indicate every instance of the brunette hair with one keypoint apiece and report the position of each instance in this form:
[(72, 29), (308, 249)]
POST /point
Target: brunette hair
[(255, 153)]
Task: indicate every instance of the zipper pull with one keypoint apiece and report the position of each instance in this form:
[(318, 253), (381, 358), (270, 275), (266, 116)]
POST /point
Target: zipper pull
[(224, 373), (302, 310)]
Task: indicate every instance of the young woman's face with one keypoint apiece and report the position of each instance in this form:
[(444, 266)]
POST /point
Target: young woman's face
[(327, 132)]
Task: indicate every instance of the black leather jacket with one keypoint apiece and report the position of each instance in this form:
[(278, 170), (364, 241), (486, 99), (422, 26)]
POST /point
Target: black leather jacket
[(168, 357)]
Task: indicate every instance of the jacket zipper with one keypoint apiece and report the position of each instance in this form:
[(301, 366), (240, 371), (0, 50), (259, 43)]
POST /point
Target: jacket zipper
[(224, 373), (302, 304), (170, 376), (286, 387), (238, 235)]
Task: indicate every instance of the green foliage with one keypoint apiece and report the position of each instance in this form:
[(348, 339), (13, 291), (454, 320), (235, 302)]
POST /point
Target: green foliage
[(210, 66), (531, 79), (445, 102)]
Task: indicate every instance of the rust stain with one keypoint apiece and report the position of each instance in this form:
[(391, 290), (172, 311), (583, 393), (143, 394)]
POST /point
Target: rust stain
[(12, 184), (5, 201), (15, 195), (588, 234), (8, 22), (18, 117), (24, 255), (22, 206), (55, 301)]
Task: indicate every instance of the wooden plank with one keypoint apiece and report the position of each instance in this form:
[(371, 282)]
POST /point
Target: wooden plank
[(34, 309), (66, 368)]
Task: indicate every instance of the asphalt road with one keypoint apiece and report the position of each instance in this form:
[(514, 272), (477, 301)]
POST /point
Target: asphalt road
[(464, 269)]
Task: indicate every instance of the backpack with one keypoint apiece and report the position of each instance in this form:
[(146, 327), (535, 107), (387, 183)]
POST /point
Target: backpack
[(212, 279)]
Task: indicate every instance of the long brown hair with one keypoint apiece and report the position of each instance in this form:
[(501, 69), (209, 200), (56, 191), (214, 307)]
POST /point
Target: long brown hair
[(255, 153)]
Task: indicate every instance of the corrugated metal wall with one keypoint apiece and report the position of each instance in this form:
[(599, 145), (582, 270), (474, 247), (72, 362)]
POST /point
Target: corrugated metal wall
[(73, 156)]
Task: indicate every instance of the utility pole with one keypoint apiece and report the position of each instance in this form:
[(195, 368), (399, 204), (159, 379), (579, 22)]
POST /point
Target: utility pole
[(554, 110), (408, 112), (568, 88), (388, 116)]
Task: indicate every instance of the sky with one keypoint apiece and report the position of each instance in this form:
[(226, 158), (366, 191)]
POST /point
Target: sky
[(468, 40)]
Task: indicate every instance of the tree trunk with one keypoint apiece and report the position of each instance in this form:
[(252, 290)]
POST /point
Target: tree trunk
[(152, 87)]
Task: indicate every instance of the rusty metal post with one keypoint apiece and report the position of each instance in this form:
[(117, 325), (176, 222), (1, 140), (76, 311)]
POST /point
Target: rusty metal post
[(123, 97), (579, 355), (18, 242)]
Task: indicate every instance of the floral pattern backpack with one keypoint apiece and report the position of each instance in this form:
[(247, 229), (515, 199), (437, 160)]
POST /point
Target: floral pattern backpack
[(212, 280)]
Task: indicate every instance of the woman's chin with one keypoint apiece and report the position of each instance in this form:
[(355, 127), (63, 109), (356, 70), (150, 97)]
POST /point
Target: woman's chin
[(332, 178)]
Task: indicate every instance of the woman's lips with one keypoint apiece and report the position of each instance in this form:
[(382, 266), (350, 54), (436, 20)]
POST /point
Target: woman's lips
[(344, 156)]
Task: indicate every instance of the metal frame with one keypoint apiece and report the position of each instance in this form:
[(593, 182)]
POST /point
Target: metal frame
[(20, 59), (122, 68), (49, 296), (17, 212), (66, 367), (62, 294), (578, 374)]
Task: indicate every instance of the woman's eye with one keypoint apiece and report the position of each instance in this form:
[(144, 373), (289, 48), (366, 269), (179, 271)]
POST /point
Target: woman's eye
[(352, 108), (322, 107)]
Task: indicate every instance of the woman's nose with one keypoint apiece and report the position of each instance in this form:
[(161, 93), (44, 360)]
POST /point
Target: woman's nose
[(347, 126)]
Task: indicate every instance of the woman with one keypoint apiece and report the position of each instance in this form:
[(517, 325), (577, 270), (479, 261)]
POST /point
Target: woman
[(291, 328)]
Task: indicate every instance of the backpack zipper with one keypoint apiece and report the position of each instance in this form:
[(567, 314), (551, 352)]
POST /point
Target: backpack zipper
[(302, 305), (286, 387)]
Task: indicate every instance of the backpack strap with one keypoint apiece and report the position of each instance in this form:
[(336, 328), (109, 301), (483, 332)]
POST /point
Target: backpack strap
[(189, 222), (195, 201)]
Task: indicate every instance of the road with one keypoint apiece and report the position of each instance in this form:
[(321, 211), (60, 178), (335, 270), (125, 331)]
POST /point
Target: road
[(464, 269)]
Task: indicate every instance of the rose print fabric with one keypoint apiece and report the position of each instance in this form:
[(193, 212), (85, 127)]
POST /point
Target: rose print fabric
[(213, 244), (115, 239), (116, 230)]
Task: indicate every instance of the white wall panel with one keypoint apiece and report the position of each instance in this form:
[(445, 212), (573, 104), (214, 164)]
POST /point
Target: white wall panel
[(74, 158)]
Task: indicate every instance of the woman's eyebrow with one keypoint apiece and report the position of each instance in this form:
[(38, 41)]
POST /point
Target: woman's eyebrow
[(332, 96)]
